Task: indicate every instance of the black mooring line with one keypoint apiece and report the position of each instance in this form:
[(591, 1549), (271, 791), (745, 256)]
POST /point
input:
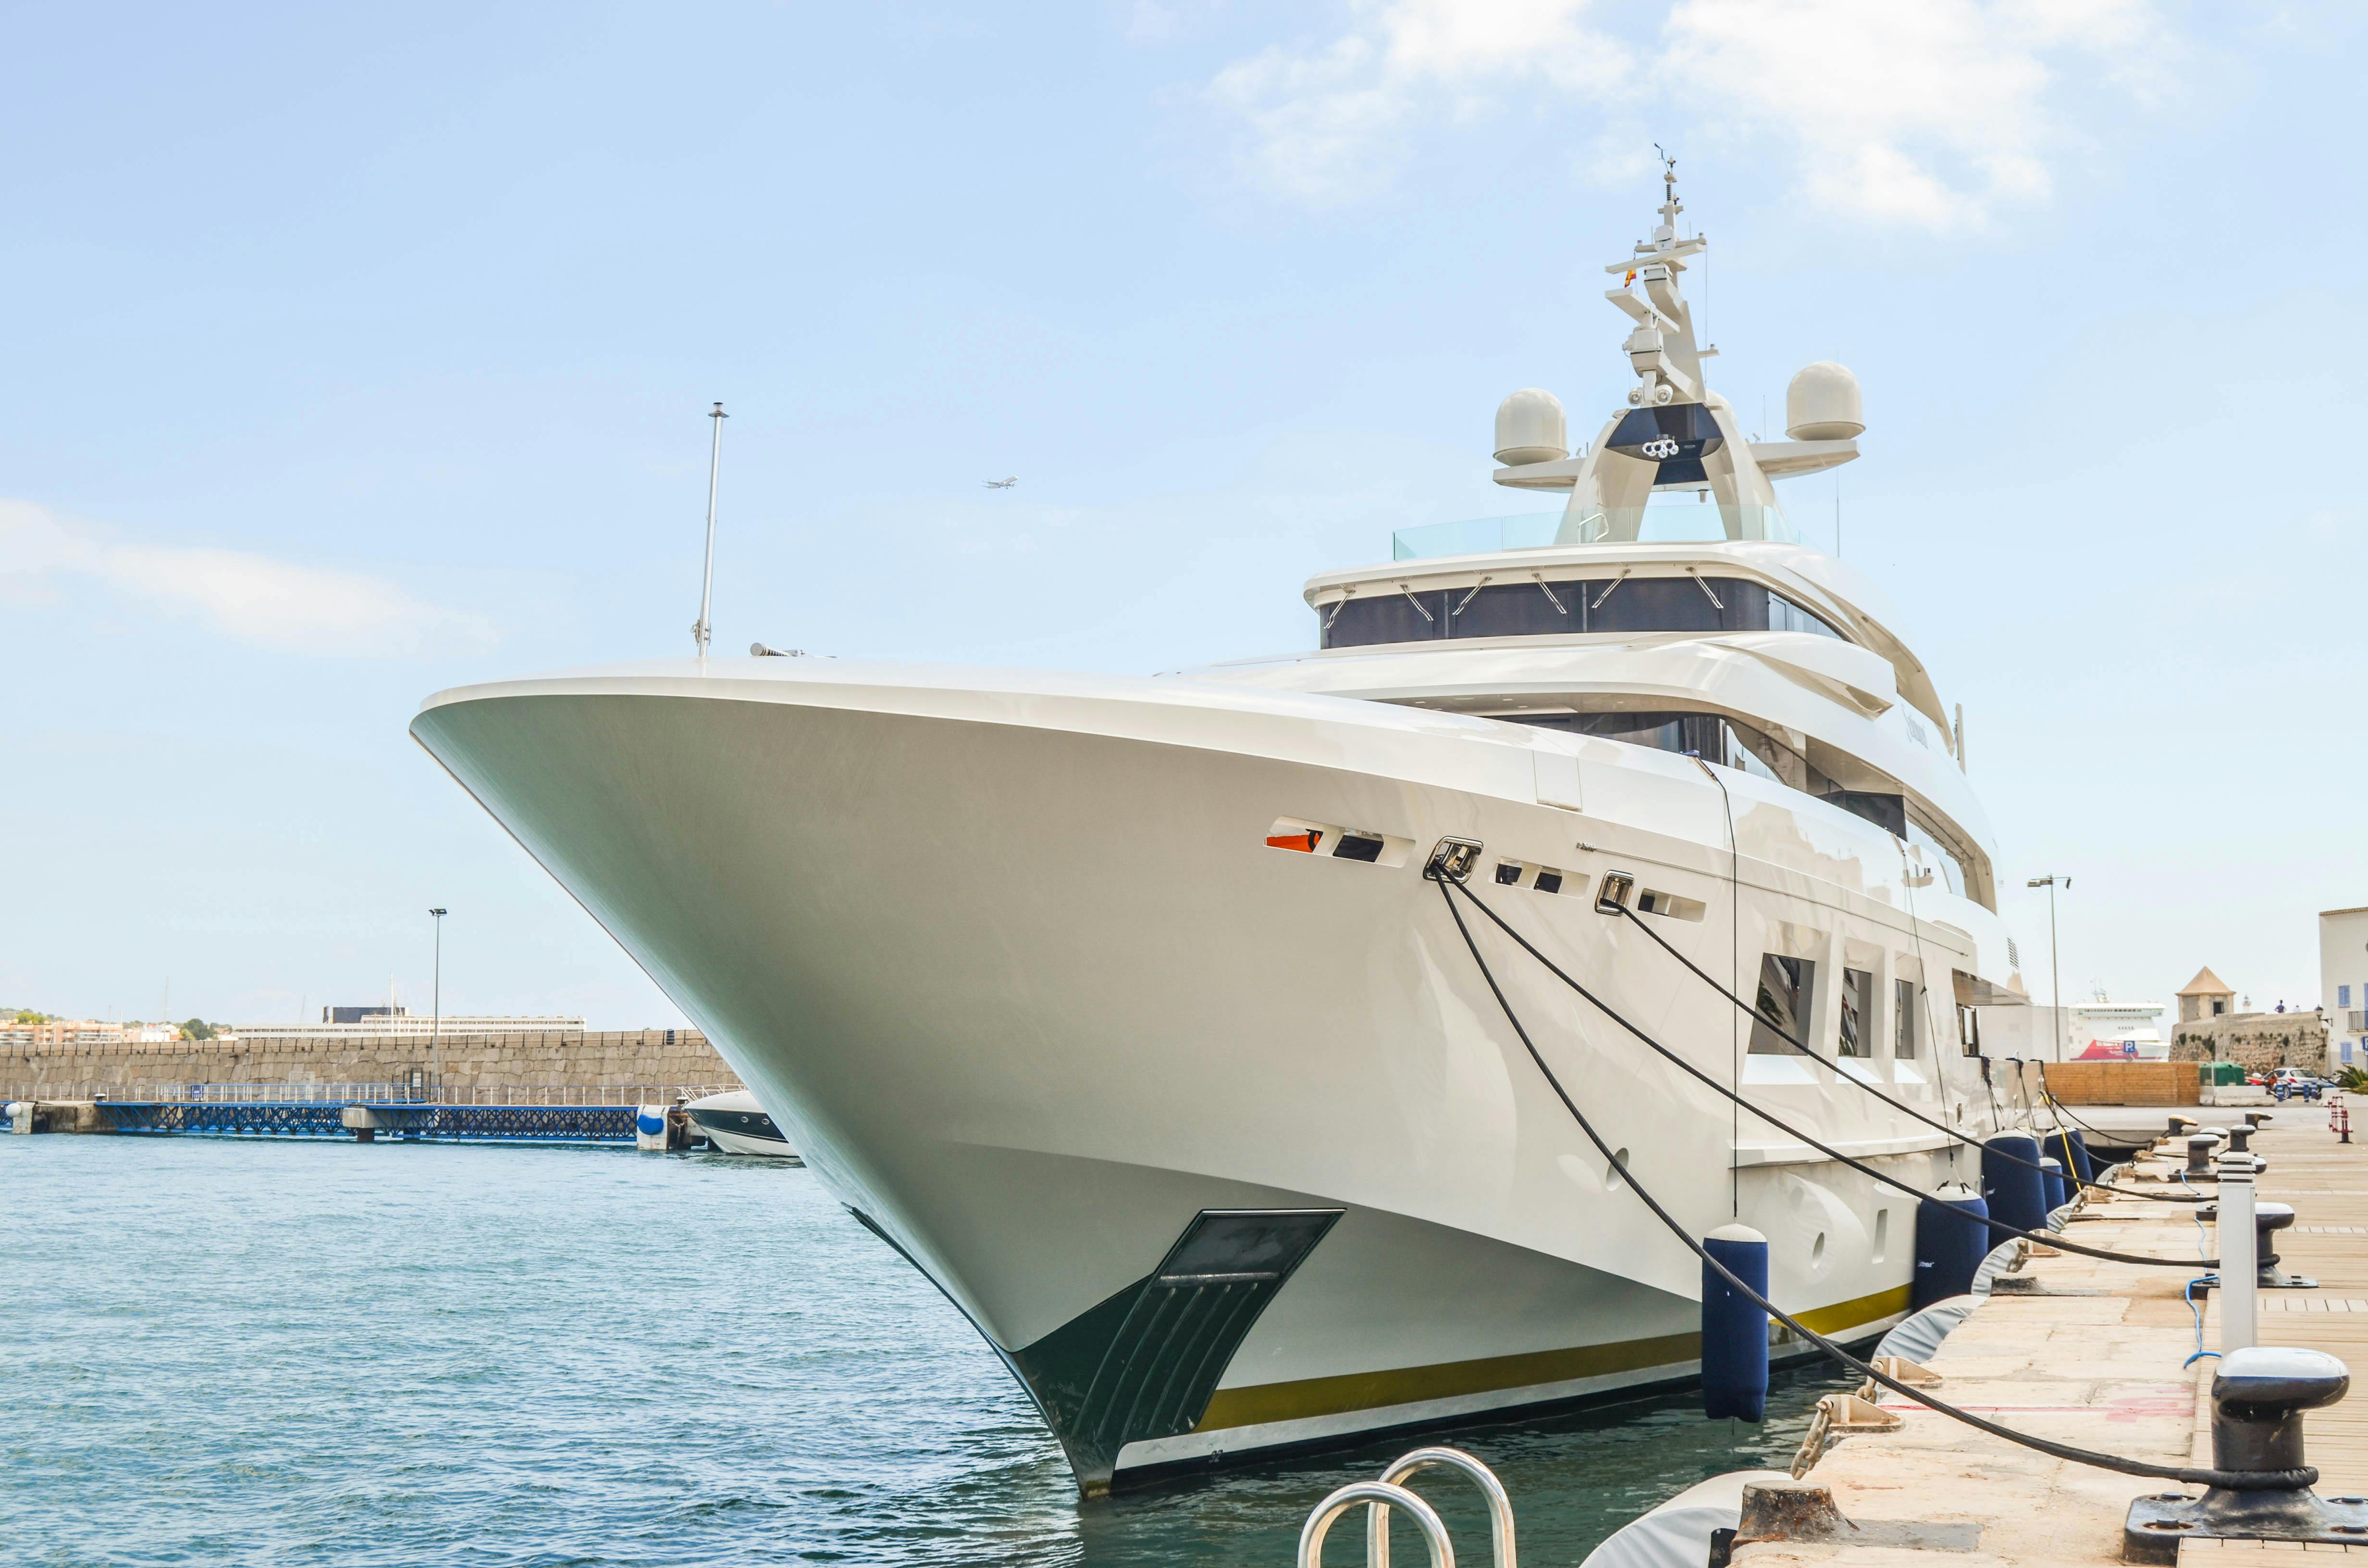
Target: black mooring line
[(1966, 1139), (2228, 1479), (2040, 1238)]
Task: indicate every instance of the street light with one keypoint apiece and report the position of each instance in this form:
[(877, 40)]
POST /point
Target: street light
[(436, 1017), (2055, 970)]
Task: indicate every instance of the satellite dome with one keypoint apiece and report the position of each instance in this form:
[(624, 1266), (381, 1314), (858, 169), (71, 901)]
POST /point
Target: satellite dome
[(1822, 405), (1530, 429)]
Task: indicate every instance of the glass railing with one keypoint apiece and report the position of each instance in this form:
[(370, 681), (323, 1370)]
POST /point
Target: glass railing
[(1475, 536), (1669, 522)]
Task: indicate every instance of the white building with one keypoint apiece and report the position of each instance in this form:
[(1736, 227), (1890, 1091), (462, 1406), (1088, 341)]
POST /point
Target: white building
[(2114, 1031), (2343, 983)]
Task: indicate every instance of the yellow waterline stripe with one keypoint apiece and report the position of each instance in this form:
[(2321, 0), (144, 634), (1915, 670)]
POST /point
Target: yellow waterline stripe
[(1308, 1397)]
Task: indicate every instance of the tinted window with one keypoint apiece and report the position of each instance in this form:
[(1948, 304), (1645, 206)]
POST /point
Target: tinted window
[(1886, 812), (1784, 615), (1783, 1001), (1522, 610), (1672, 604), (1600, 605), (1858, 1012), (1393, 618)]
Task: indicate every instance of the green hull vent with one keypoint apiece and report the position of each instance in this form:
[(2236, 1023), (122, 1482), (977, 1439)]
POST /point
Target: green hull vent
[(1144, 1363)]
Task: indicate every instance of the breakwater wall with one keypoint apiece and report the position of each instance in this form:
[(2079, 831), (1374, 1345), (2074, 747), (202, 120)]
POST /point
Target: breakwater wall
[(472, 1063)]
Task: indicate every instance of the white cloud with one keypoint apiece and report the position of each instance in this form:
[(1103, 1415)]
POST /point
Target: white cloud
[(249, 598), (1933, 114)]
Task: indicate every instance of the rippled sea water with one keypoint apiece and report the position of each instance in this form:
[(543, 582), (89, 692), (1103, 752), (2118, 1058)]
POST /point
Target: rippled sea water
[(290, 1352)]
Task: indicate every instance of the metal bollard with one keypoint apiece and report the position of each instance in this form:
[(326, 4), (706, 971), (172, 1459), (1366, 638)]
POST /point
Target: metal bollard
[(2239, 1272), (2258, 1399), (2240, 1138), (2268, 1218), (2199, 1153)]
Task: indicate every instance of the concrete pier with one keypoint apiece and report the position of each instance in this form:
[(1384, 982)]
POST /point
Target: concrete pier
[(2094, 1354)]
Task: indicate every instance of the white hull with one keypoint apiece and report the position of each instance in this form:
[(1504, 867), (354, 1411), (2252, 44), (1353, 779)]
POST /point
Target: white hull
[(1013, 960), (763, 1148)]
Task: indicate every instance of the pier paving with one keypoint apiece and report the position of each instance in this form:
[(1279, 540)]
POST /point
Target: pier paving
[(2092, 1353)]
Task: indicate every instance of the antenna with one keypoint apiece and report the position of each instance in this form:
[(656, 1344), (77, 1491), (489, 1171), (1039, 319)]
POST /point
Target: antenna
[(700, 629)]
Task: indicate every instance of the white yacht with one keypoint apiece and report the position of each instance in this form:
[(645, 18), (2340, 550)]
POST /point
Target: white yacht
[(1124, 1009), (736, 1123)]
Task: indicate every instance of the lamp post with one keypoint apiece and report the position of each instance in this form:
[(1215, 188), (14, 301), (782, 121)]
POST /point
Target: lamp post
[(2055, 968), (435, 1016)]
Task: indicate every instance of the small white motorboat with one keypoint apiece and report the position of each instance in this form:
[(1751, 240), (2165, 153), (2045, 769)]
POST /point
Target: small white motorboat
[(737, 1124)]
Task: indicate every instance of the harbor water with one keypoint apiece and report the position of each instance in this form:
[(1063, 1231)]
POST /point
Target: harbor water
[(295, 1353)]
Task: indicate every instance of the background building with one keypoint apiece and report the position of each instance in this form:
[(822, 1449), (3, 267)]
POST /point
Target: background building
[(2205, 997), (2114, 1031), (2343, 981)]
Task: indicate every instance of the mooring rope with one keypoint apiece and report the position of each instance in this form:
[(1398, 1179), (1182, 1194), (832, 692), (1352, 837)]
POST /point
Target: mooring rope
[(2188, 1475), (1964, 1138), (2041, 1238)]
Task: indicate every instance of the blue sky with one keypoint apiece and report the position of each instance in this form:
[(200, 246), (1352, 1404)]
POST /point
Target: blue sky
[(350, 357)]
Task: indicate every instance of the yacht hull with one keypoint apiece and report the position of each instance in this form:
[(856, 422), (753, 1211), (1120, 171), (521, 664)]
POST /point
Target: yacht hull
[(1224, 1148)]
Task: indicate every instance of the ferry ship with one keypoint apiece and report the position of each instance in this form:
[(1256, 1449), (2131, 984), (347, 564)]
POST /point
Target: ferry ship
[(1124, 1008)]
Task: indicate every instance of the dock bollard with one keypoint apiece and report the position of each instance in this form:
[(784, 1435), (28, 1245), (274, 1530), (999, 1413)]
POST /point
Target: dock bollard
[(1735, 1327), (2241, 1281), (2268, 1219), (2199, 1153), (1950, 1242), (2012, 1189), (2258, 1399)]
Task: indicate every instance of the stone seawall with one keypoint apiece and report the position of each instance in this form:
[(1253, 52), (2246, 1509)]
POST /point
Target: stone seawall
[(2255, 1042), (474, 1063)]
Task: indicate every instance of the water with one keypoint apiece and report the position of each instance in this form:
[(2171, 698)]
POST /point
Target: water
[(296, 1353)]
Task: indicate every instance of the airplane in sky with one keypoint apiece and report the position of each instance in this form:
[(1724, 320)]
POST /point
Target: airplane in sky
[(1002, 484)]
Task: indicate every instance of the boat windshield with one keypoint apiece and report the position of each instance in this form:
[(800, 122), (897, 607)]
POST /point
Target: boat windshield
[(1666, 521)]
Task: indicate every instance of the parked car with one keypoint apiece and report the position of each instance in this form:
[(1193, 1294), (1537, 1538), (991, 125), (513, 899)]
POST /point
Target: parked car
[(2288, 1082)]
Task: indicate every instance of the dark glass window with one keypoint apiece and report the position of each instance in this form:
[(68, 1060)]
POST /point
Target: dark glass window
[(1886, 812), (1674, 604), (1370, 618), (1519, 609), (1783, 1001), (1858, 1012), (1903, 1022), (1784, 615), (1562, 606)]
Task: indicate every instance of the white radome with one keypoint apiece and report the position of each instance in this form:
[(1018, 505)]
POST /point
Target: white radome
[(1822, 405), (1531, 428)]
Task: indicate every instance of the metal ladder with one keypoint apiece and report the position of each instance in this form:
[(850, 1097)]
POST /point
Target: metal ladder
[(1390, 1492)]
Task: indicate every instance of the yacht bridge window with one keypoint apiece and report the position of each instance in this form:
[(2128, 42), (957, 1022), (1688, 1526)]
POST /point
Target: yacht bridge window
[(1718, 739), (1382, 613)]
